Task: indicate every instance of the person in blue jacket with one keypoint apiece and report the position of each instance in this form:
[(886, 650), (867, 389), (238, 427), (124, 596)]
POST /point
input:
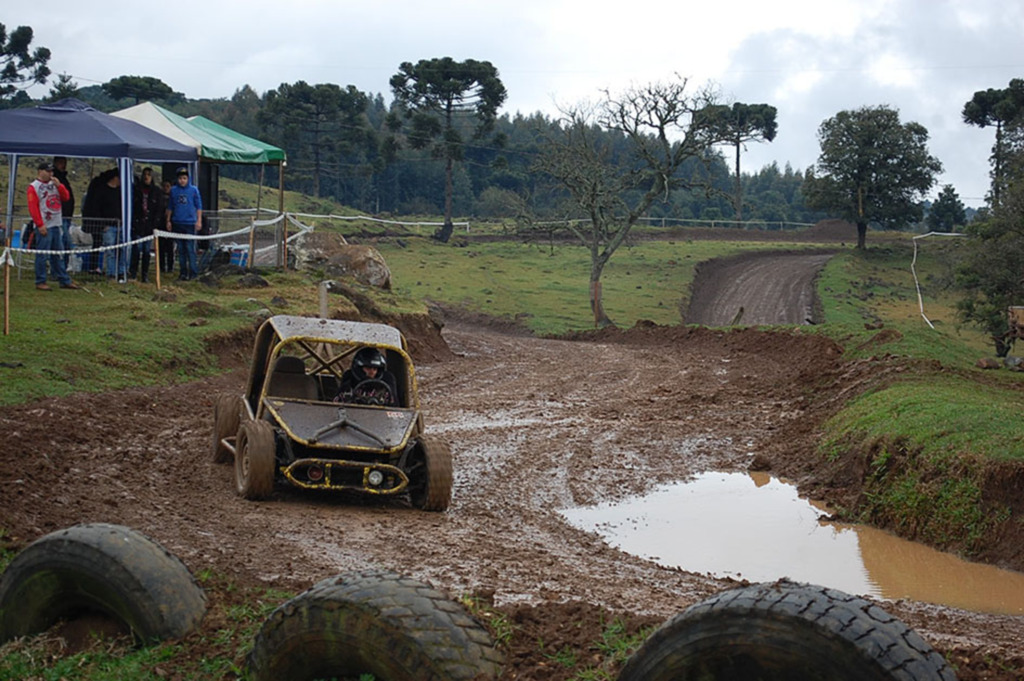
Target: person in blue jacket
[(185, 216)]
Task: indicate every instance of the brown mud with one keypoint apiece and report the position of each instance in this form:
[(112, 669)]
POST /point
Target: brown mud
[(535, 425)]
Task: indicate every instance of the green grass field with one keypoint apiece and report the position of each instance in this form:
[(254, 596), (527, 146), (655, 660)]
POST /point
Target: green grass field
[(546, 287)]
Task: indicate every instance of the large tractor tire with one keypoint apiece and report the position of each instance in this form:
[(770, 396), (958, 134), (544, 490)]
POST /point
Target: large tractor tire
[(255, 459), (430, 475), (785, 632), (226, 417), (373, 622), (107, 569)]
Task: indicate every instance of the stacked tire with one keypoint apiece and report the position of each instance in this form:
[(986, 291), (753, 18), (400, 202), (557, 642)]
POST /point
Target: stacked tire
[(107, 569), (373, 622), (785, 631)]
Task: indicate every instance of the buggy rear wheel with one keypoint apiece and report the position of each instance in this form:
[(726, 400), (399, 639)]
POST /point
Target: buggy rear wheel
[(226, 417), (255, 460), (430, 474)]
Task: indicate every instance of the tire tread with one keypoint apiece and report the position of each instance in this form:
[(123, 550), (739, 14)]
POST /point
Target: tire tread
[(426, 634), (867, 632), (108, 567)]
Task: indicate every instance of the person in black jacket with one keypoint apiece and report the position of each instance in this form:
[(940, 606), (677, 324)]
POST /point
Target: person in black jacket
[(368, 381), (147, 215), (101, 209)]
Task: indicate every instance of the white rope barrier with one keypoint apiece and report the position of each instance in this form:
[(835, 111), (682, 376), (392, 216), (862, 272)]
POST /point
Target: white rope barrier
[(698, 222), (160, 233), (199, 237), (127, 244), (332, 216), (291, 217), (368, 218), (247, 210), (300, 225), (267, 223), (913, 269), (82, 251)]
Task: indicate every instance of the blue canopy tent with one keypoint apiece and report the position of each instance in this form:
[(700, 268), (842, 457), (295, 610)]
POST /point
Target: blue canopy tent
[(72, 128)]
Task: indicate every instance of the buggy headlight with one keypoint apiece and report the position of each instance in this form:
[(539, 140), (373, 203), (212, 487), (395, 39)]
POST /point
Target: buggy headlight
[(375, 477)]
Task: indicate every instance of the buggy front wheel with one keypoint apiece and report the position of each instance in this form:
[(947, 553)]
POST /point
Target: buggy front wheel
[(430, 475), (255, 460)]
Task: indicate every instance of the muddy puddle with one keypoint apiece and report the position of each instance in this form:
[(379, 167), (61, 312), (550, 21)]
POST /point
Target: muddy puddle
[(756, 527)]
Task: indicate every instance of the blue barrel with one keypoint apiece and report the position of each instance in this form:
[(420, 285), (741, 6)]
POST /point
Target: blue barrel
[(239, 255)]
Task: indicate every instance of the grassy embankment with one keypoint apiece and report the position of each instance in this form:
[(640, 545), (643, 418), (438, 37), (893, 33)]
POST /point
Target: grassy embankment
[(545, 287), (929, 435)]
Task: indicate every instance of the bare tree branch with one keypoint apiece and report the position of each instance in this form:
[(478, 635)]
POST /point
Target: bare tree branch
[(660, 128)]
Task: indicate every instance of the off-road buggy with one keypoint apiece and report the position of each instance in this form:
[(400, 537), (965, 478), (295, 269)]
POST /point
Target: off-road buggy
[(287, 428)]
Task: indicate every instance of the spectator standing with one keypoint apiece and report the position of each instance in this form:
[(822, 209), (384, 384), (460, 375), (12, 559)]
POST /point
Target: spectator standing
[(92, 225), (166, 263), (101, 212), (115, 260), (146, 216), (44, 197), (67, 208), (185, 217)]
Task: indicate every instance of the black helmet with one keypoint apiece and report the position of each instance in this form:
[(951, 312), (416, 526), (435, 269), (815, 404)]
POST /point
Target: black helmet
[(368, 357)]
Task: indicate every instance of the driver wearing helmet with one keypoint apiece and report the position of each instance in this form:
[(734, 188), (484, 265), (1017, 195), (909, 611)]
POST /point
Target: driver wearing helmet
[(368, 381)]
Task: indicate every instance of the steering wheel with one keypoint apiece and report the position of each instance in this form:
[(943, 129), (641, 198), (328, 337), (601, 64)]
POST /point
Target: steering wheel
[(372, 391)]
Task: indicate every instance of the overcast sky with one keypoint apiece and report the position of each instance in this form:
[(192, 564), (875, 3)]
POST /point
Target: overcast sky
[(808, 58)]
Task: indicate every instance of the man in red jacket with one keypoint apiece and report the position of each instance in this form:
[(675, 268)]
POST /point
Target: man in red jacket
[(45, 197)]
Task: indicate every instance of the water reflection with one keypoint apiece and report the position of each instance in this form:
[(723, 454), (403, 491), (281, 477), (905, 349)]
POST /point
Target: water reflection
[(756, 527)]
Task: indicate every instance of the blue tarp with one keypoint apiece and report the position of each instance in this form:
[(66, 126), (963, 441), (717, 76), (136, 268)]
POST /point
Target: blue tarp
[(71, 127)]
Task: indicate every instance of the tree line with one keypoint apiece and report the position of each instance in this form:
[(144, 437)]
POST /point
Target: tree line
[(990, 273), (348, 145), (440, 145), (456, 154), (420, 153)]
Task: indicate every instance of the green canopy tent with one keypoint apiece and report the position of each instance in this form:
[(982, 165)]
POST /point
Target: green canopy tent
[(214, 142), (236, 147)]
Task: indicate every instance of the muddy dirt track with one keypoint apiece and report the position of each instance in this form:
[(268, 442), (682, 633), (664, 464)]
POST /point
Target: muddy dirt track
[(536, 425), (752, 289)]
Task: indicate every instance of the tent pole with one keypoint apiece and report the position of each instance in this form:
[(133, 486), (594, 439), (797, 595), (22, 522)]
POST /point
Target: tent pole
[(259, 194), (280, 211), (156, 255), (280, 188), (252, 244), (284, 244), (123, 253), (12, 180)]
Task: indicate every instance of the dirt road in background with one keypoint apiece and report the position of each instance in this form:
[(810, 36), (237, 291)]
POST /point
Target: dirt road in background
[(752, 289), (536, 426)]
